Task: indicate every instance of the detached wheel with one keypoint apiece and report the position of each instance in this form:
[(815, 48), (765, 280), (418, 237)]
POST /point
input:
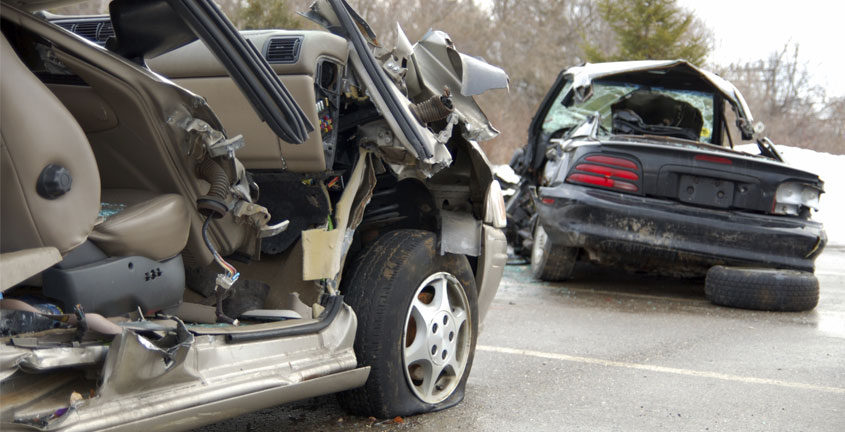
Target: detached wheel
[(549, 262), (762, 289), (417, 325)]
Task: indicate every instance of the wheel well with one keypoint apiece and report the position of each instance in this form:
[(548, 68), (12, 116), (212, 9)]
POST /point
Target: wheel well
[(395, 204)]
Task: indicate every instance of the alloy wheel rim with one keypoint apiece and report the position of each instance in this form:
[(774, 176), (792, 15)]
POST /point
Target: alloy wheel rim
[(437, 337)]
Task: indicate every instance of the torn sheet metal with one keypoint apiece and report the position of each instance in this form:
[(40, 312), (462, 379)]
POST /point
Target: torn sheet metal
[(316, 263), (440, 65), (45, 359), (136, 362)]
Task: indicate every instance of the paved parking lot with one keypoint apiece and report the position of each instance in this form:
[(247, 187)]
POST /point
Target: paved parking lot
[(613, 351)]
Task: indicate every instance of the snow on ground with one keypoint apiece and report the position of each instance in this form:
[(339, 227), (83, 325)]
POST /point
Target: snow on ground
[(831, 169)]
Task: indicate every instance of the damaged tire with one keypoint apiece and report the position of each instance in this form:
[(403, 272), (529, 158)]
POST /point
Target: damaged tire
[(549, 262), (417, 325), (762, 289)]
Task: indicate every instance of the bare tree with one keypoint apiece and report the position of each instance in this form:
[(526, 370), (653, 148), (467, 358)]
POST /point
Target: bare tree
[(781, 93)]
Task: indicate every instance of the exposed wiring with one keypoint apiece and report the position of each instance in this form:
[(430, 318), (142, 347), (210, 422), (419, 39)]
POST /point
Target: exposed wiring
[(231, 271), (223, 282)]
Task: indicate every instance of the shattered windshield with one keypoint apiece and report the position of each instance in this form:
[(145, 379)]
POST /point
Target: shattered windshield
[(654, 109)]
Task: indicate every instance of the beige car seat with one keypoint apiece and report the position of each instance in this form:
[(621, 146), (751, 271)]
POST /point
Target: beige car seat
[(51, 190)]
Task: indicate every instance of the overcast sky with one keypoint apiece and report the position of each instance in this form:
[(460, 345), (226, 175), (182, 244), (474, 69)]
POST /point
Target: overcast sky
[(746, 30)]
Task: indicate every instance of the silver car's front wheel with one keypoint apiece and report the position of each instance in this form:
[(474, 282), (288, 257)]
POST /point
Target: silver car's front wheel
[(437, 337), (417, 325)]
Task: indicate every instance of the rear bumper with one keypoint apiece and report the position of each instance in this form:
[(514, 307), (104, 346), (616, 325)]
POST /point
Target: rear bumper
[(656, 234)]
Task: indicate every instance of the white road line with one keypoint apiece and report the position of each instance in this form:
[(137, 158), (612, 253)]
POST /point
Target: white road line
[(663, 369), (607, 293)]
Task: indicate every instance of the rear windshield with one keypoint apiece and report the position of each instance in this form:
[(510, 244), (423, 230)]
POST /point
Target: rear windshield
[(668, 105)]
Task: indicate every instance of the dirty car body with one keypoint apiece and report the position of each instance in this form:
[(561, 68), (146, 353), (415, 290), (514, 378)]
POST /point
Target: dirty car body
[(286, 154), (633, 164)]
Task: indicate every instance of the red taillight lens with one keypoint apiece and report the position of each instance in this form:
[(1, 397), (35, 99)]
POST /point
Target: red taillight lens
[(548, 200), (610, 160), (602, 181), (607, 171)]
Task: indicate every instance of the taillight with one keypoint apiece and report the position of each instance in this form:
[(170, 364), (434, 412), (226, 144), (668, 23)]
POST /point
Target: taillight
[(610, 160), (791, 196), (607, 171), (714, 159)]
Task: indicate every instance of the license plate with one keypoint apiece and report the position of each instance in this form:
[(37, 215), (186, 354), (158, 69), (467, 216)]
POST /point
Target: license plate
[(706, 191)]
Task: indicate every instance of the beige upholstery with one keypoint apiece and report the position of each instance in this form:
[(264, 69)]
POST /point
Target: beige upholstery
[(150, 225), (37, 130), (195, 60), (263, 149), (194, 67)]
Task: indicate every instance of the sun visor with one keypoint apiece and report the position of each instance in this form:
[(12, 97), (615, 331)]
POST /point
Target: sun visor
[(145, 28)]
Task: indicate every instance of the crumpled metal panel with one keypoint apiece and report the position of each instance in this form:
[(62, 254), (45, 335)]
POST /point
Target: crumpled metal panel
[(13, 358), (145, 380), (441, 65), (137, 363)]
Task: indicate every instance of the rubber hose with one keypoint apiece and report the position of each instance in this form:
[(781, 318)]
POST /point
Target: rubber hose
[(213, 173)]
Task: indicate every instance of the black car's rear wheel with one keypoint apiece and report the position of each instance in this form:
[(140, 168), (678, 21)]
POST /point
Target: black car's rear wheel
[(762, 289), (417, 325), (550, 262)]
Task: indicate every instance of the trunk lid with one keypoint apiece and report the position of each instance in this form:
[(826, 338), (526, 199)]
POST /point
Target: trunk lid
[(703, 174)]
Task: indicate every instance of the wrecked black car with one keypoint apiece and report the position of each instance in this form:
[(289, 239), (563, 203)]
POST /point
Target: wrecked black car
[(632, 164), (198, 222)]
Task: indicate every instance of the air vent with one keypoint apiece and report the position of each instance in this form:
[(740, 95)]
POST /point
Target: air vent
[(283, 50), (87, 29), (97, 31), (104, 32)]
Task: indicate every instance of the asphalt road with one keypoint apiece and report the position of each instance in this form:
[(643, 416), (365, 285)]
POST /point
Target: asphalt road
[(620, 352)]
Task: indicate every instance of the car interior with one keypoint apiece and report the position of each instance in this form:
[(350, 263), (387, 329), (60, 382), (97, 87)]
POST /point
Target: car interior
[(100, 162)]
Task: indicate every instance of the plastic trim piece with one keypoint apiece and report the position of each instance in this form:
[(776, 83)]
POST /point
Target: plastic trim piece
[(333, 306)]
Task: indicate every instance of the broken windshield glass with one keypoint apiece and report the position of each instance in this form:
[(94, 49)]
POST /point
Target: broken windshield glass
[(606, 95)]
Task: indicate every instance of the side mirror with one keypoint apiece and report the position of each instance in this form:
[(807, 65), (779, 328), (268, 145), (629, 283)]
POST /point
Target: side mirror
[(745, 129)]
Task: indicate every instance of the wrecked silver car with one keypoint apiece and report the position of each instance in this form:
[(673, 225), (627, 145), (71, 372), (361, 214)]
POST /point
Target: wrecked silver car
[(195, 229)]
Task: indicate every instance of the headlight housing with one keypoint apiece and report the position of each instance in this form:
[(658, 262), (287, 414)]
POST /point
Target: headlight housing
[(494, 206), (791, 196)]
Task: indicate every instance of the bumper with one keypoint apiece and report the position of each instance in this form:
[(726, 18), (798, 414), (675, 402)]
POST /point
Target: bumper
[(655, 234), (491, 266)]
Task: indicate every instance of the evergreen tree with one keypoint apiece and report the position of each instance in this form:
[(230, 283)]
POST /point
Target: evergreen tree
[(651, 29)]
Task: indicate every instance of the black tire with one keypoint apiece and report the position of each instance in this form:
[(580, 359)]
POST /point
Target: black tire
[(550, 262), (381, 286), (762, 289)]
